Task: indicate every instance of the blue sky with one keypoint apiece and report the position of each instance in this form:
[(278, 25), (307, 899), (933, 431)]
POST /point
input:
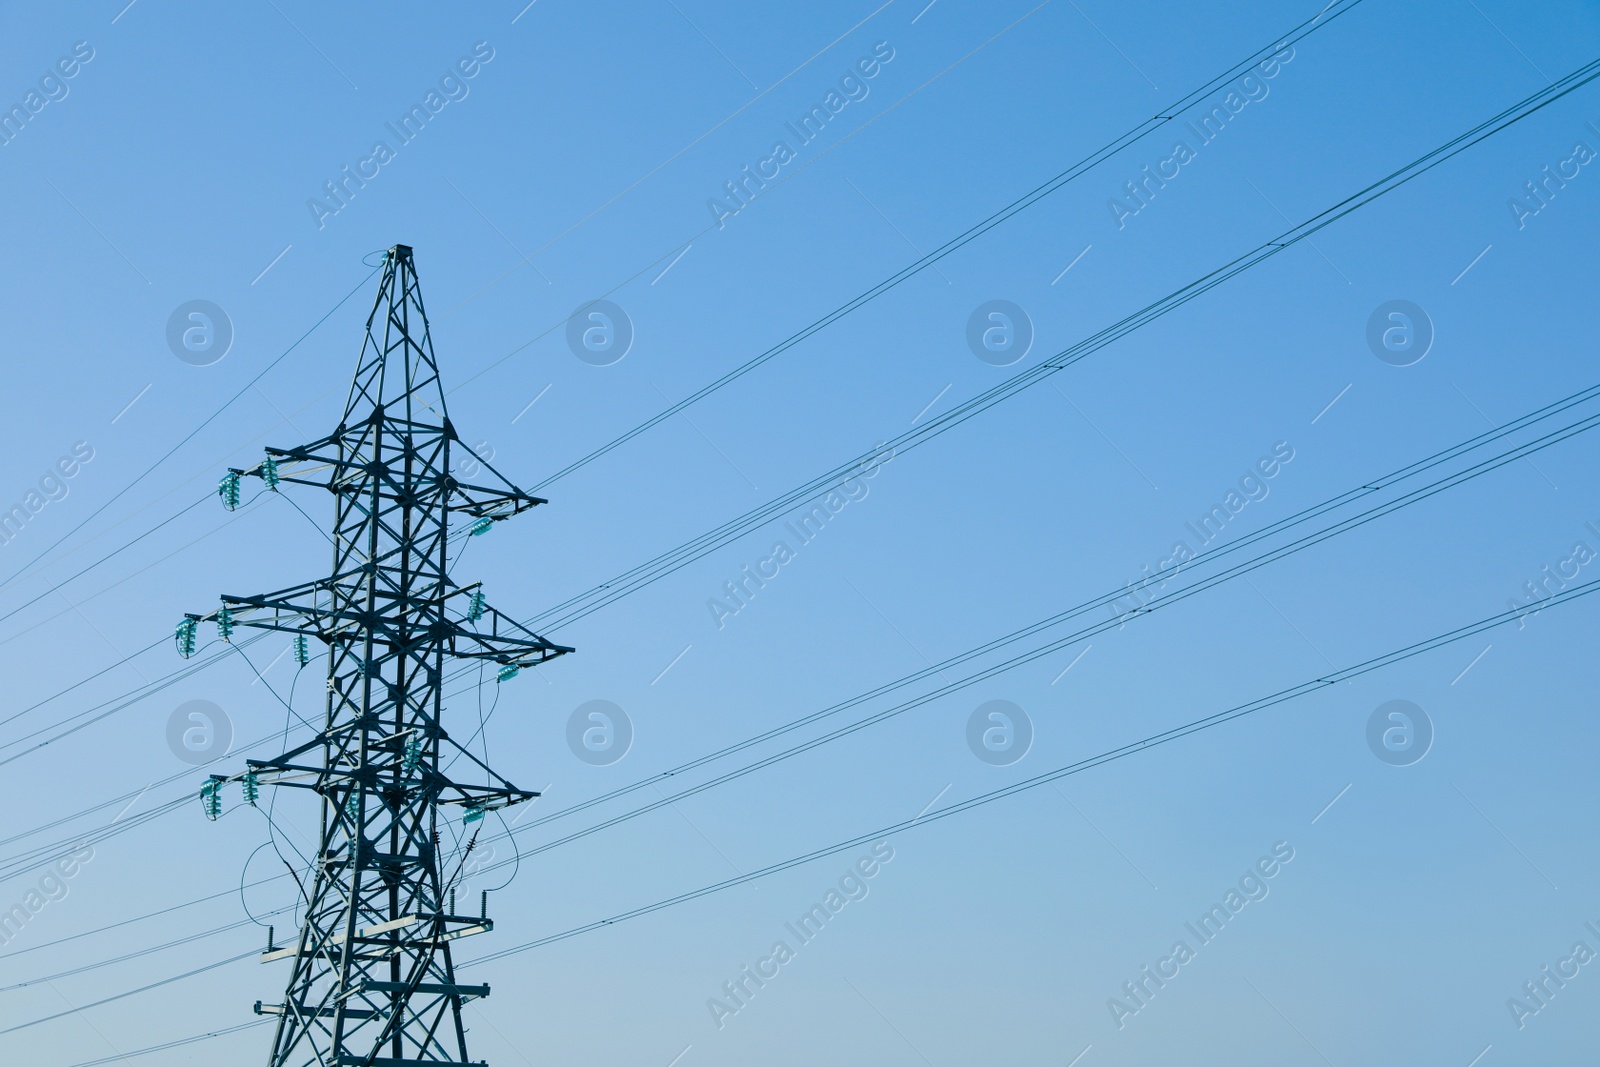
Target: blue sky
[(185, 159)]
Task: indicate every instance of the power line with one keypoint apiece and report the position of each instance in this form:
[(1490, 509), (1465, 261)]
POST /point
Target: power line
[(128, 577), (136, 953), (238, 513), (125, 660), (1151, 125), (134, 693), (26, 863), (1133, 136), (207, 1036), (1376, 663), (129, 699), (1203, 559), (584, 604), (83, 545), (636, 274), (26, 567), (109, 555), (1346, 207), (678, 250), (1306, 688), (144, 691), (137, 918), (1154, 740), (1156, 578), (1057, 644), (81, 682), (129, 992), (209, 419)]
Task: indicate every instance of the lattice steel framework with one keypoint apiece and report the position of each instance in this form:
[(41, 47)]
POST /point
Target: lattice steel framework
[(373, 982)]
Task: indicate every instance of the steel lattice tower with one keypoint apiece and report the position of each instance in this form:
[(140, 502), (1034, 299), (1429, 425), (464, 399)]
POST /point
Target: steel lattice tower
[(373, 982)]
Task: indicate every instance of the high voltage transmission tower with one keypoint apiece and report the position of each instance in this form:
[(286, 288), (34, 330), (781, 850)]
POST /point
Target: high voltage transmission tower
[(373, 982)]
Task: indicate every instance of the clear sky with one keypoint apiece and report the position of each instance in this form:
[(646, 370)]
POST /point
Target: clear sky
[(253, 157)]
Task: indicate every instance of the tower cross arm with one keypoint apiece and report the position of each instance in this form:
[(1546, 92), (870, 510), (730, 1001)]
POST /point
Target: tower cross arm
[(302, 609), (321, 463), (498, 501), (484, 502), (498, 637), (497, 793)]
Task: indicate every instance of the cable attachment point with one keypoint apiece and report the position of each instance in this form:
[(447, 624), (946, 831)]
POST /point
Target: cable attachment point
[(211, 799), (185, 636), (228, 489)]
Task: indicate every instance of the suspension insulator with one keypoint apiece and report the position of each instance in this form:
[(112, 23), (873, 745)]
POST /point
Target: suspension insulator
[(475, 605), (302, 652), (185, 636), (413, 757), (228, 490), (481, 526), (252, 788), (211, 800), (225, 623), (269, 473)]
